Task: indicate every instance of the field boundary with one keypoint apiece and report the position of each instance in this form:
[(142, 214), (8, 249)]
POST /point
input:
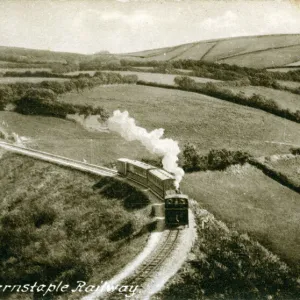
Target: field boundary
[(257, 51), (285, 114), (275, 175)]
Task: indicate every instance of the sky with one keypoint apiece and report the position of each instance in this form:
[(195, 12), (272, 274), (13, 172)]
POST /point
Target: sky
[(121, 26)]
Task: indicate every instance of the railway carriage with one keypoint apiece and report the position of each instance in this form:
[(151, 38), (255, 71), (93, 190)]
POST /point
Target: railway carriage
[(161, 183), (134, 170)]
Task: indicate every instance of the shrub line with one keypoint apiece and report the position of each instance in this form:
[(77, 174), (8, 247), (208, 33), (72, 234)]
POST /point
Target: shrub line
[(275, 175), (283, 113)]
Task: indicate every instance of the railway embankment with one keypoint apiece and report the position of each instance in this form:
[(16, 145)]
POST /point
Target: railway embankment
[(57, 219), (225, 264)]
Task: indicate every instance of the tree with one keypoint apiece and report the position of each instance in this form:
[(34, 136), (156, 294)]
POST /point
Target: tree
[(185, 82), (191, 157), (38, 101)]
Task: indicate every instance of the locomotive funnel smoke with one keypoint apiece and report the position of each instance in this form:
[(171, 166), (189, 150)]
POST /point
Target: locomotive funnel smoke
[(166, 148)]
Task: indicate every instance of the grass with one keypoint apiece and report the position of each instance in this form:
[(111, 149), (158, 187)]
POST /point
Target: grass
[(162, 78), (57, 226), (251, 51), (70, 139), (287, 166), (253, 203), (284, 70), (92, 73), (4, 70), (289, 84), (9, 80), (190, 117), (283, 98), (267, 58)]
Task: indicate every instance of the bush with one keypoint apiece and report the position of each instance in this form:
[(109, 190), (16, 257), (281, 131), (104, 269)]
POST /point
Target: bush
[(40, 101), (214, 160), (44, 216), (228, 265), (295, 151), (115, 189)]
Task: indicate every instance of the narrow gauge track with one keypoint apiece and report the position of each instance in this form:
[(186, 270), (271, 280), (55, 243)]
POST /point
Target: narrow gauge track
[(59, 160), (150, 266)]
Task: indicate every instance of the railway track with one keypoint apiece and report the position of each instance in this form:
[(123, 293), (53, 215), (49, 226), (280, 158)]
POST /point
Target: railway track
[(59, 160), (149, 267)]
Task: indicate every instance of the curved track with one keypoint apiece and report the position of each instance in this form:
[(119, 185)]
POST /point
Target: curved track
[(150, 266), (59, 160)]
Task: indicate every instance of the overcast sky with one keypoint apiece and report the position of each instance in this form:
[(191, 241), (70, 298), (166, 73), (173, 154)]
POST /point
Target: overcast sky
[(132, 25)]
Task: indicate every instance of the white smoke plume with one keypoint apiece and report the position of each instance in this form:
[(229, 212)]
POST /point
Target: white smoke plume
[(168, 149)]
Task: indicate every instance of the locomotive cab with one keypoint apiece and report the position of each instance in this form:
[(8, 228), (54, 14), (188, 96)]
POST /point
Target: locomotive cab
[(176, 210)]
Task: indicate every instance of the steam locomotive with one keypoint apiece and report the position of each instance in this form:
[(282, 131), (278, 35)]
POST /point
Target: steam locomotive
[(161, 183)]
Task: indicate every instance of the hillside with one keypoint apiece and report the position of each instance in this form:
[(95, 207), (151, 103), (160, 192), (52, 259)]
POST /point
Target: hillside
[(55, 224), (205, 121), (251, 51), (23, 55)]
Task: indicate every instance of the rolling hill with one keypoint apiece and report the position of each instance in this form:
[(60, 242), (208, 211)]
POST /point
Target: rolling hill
[(251, 51)]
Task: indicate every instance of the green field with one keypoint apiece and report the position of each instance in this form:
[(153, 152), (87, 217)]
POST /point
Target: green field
[(69, 139), (9, 80), (283, 70), (162, 78), (190, 117), (249, 201), (4, 70), (250, 51), (284, 99), (289, 84), (287, 166)]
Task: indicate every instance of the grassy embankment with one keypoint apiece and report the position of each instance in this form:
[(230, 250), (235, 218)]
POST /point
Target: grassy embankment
[(225, 264), (56, 224)]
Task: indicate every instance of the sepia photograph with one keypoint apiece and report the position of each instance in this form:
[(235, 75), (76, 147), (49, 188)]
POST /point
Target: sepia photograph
[(149, 149)]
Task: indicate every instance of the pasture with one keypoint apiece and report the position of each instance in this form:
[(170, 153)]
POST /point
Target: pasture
[(289, 84), (283, 70), (4, 70), (199, 119), (250, 51), (9, 80), (284, 99), (149, 77), (287, 166), (67, 138), (75, 73), (162, 78), (249, 201)]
